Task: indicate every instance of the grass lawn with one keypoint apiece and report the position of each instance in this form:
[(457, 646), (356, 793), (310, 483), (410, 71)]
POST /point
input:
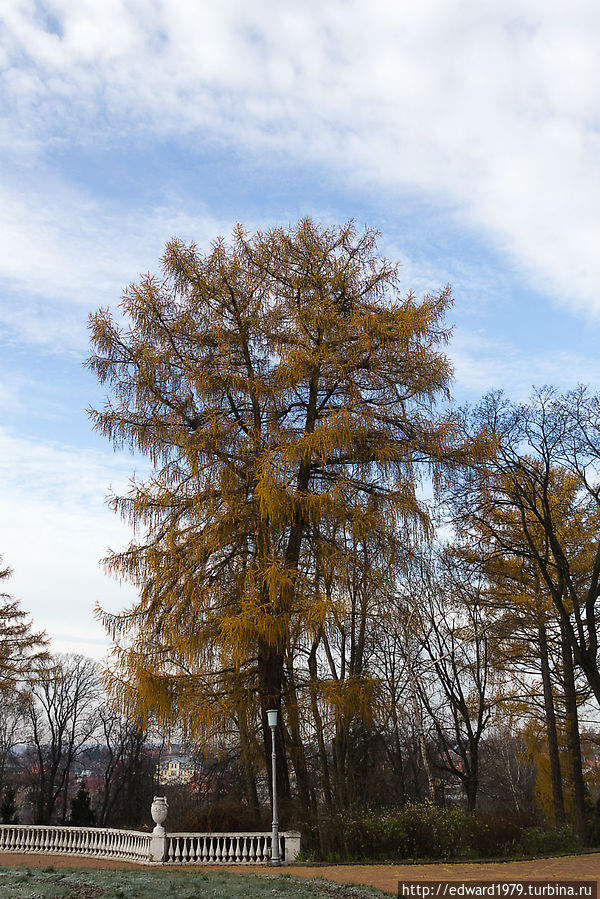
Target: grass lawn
[(52, 882)]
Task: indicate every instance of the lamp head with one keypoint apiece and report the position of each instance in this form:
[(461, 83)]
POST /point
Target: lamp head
[(272, 717)]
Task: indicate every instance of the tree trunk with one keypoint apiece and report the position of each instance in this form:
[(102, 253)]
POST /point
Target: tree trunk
[(471, 781), (247, 767), (572, 738), (314, 702), (296, 746), (420, 732), (558, 801), (397, 761), (270, 681), (339, 746)]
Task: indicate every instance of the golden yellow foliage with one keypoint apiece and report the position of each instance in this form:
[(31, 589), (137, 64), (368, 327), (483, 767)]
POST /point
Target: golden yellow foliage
[(284, 389)]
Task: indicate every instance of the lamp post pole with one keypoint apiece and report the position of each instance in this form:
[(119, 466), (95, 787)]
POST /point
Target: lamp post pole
[(275, 859)]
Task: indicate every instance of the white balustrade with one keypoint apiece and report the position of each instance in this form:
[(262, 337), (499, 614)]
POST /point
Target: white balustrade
[(88, 841), (131, 845), (228, 848)]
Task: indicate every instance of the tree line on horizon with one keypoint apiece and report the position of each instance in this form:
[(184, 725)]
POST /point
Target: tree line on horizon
[(412, 586)]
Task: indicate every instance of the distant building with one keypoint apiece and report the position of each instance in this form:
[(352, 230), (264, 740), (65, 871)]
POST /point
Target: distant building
[(176, 769)]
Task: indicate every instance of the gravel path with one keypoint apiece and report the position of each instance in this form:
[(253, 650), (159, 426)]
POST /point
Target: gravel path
[(384, 877)]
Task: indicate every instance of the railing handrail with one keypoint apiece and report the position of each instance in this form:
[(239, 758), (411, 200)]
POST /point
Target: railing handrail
[(221, 833), (91, 827)]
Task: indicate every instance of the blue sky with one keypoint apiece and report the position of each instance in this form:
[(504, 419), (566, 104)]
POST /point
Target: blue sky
[(466, 132)]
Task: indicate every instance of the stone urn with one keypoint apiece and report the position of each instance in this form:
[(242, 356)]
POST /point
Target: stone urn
[(159, 811)]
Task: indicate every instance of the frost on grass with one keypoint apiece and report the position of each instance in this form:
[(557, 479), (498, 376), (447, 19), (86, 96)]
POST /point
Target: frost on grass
[(57, 883)]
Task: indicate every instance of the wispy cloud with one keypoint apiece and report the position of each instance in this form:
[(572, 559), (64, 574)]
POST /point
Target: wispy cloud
[(54, 530), (492, 111), (67, 252)]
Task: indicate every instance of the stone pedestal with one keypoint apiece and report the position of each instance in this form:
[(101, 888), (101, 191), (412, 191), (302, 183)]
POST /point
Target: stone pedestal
[(158, 840), (158, 846), (292, 846)]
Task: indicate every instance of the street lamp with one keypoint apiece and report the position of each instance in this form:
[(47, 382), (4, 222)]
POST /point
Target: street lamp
[(275, 859)]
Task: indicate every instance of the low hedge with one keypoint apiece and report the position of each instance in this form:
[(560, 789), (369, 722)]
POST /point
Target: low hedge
[(421, 830)]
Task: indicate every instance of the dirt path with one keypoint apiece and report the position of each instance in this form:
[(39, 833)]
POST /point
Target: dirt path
[(384, 877)]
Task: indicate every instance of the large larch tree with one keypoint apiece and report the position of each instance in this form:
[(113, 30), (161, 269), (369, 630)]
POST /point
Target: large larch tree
[(277, 383)]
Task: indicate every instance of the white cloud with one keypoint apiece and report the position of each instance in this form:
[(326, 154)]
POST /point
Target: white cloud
[(54, 530), (66, 253), (492, 109)]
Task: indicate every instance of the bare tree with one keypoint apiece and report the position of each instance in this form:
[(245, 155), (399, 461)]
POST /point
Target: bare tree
[(537, 504), (127, 770), (452, 668), (62, 716)]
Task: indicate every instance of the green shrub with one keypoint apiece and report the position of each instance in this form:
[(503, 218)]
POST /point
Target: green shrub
[(537, 841), (421, 830)]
